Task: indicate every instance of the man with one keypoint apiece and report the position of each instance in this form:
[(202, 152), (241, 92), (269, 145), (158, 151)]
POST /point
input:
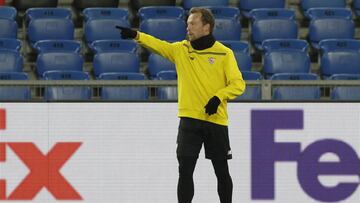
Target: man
[(208, 76)]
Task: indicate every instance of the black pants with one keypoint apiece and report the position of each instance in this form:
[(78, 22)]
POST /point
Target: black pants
[(185, 188)]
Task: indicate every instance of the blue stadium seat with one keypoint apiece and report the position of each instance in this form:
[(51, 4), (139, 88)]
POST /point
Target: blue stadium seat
[(150, 12), (100, 23), (286, 61), (8, 28), (308, 4), (188, 4), (57, 46), (10, 44), (66, 93), (167, 93), (60, 61), (339, 56), (247, 5), (106, 13), (345, 77), (225, 12), (135, 5), (123, 93), (103, 28), (251, 92), (241, 52), (301, 93), (163, 22), (272, 24), (22, 5), (283, 44), (14, 93), (8, 12), (227, 23), (345, 92), (37, 13), (171, 29), (10, 61), (330, 23), (50, 28), (116, 62), (157, 63), (83, 4), (114, 46), (339, 45)]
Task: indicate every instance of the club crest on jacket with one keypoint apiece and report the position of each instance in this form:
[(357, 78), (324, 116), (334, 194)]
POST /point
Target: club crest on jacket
[(211, 60)]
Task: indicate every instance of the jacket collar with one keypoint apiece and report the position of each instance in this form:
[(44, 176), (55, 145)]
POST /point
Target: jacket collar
[(203, 42)]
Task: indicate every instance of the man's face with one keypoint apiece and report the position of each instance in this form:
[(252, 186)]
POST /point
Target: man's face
[(195, 27)]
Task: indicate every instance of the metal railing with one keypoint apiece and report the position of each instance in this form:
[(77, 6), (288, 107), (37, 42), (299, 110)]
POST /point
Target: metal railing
[(266, 85)]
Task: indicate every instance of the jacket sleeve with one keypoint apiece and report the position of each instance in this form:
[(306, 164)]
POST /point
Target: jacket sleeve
[(158, 46), (235, 85)]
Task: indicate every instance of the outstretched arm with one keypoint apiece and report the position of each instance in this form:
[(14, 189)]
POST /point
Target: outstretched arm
[(158, 46)]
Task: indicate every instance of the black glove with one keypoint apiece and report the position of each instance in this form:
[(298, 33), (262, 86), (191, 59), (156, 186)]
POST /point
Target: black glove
[(127, 33), (212, 105)]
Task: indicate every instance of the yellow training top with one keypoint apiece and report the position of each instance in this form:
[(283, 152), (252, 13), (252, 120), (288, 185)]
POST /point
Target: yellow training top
[(202, 74)]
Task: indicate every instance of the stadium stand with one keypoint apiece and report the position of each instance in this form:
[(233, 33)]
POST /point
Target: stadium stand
[(114, 46), (347, 93), (308, 4), (57, 46), (50, 28), (35, 13), (167, 93), (339, 56), (83, 4), (149, 12), (8, 29), (188, 4), (285, 59), (10, 61), (100, 23), (272, 24), (10, 44), (115, 62), (227, 23), (104, 13), (329, 23), (8, 12), (124, 93), (165, 23), (247, 5), (58, 61), (14, 93), (66, 93), (260, 43), (135, 5), (295, 93), (157, 64)]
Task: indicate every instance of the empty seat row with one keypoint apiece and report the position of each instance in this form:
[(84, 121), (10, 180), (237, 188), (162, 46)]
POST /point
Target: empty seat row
[(23, 5), (244, 5), (168, 23), (337, 56)]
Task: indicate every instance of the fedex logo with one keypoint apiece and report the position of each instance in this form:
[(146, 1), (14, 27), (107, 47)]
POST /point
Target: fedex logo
[(266, 152), (44, 169)]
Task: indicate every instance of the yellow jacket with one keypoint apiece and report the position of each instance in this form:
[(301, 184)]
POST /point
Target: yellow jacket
[(202, 74)]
